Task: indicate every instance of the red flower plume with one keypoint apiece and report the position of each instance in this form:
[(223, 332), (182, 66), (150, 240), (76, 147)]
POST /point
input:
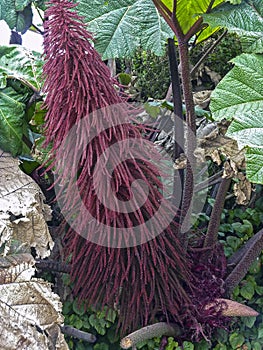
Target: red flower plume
[(121, 237)]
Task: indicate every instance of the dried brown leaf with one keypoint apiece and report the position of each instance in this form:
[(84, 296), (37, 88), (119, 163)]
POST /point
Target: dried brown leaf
[(22, 210), (15, 268), (242, 189), (34, 316)]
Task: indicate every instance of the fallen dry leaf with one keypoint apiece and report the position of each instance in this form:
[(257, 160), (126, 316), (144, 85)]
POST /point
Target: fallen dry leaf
[(23, 213)]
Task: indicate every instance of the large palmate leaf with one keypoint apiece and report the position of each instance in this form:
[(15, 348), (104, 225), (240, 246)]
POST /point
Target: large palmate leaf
[(254, 157), (120, 26), (188, 12), (239, 97), (17, 14), (12, 121), (20, 73), (247, 129), (19, 63), (246, 20), (241, 89)]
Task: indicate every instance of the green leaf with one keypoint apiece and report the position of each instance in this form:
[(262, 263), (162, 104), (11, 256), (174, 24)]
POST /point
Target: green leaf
[(111, 315), (240, 90), (24, 19), (21, 4), (19, 76), (236, 340), (188, 12), (121, 26), (17, 14), (247, 128), (67, 307), (247, 290), (78, 308), (101, 346), (220, 347), (246, 20), (254, 159), (259, 290), (239, 96), (21, 64), (12, 121), (257, 346), (249, 321), (188, 346), (40, 4), (124, 78), (233, 242), (260, 331), (8, 12)]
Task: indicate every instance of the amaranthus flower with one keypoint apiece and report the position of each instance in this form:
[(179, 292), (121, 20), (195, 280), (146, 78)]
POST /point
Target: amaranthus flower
[(122, 239)]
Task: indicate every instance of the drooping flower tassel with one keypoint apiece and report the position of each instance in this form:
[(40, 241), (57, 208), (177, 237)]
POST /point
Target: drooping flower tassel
[(121, 235)]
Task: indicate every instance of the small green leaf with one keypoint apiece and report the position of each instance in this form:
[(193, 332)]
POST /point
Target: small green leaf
[(101, 346), (112, 336), (247, 227), (256, 346), (78, 308), (236, 340), (260, 331), (111, 315), (203, 345), (188, 346), (124, 78), (247, 290), (75, 321), (67, 307), (259, 290), (152, 108), (220, 347), (249, 321), (233, 242)]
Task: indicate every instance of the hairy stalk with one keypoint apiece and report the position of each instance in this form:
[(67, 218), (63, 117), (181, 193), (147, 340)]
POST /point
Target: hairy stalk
[(76, 333), (210, 6), (178, 119), (237, 256), (212, 230), (52, 265), (197, 26), (149, 332), (249, 253), (189, 135), (165, 12), (212, 180)]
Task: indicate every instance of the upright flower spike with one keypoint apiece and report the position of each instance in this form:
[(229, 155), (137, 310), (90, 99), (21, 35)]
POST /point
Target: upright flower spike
[(123, 247)]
